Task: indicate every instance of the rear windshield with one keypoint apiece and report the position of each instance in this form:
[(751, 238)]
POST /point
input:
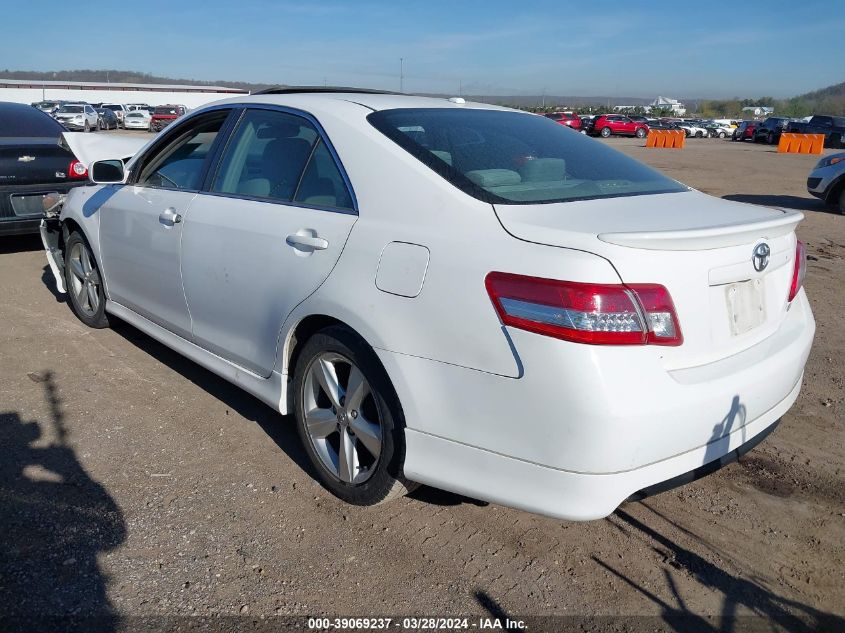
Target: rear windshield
[(516, 158), (27, 121), (165, 110), (70, 109)]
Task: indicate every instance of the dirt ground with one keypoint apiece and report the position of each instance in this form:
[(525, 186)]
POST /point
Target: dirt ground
[(134, 483)]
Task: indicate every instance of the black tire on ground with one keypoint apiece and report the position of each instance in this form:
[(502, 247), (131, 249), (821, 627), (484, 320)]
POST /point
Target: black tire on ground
[(387, 480), (86, 127), (640, 132), (841, 205), (605, 132), (699, 135), (770, 138), (92, 318)]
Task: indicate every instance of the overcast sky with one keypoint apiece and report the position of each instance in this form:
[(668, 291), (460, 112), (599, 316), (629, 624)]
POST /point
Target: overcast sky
[(483, 47)]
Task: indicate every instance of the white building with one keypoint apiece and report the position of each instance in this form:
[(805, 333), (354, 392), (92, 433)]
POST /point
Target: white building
[(32, 91), (677, 107), (759, 110)]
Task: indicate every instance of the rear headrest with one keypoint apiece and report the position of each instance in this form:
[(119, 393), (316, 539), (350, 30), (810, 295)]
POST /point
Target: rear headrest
[(446, 157), (288, 149), (494, 177), (543, 169), (279, 129)]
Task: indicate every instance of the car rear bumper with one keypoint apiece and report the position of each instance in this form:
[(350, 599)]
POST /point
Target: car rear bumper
[(585, 427), (12, 224), (565, 494)]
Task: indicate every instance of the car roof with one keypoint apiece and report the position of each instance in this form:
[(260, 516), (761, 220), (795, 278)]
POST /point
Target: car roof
[(322, 100)]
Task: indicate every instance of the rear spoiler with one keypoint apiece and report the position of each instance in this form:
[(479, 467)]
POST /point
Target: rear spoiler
[(710, 237)]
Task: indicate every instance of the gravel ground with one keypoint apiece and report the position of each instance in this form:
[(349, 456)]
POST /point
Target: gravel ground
[(134, 483)]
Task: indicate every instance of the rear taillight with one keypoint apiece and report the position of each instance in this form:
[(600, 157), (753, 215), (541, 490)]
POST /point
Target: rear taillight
[(597, 314), (77, 169), (799, 271)]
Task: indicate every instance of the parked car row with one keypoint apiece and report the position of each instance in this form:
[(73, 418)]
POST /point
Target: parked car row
[(89, 117)]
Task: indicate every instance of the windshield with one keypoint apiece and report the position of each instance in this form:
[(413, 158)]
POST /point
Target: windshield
[(70, 109), (515, 158)]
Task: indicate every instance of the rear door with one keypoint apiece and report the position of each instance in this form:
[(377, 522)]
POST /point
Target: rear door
[(264, 235), (141, 222)]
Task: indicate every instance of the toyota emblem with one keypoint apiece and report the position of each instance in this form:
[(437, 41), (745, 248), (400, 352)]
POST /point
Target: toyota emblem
[(760, 258)]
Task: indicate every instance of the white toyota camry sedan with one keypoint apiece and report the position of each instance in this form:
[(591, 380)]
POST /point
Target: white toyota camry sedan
[(449, 293)]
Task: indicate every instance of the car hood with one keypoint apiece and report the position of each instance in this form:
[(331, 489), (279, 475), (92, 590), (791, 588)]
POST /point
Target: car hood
[(93, 147)]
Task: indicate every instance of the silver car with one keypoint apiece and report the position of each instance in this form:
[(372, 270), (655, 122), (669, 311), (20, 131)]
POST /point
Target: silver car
[(827, 181)]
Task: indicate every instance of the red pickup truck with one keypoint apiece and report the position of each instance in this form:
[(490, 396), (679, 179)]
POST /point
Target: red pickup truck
[(164, 115)]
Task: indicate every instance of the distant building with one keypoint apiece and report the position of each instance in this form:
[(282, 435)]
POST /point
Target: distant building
[(676, 106), (758, 110), (31, 91)]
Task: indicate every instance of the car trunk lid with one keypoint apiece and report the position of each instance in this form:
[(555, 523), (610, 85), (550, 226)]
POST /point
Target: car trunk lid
[(700, 248), (33, 160)]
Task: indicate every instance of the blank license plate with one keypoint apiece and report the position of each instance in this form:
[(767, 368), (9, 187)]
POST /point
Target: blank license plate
[(29, 206), (746, 305)]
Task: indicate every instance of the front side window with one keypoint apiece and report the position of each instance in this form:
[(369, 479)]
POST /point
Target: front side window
[(516, 158), (180, 164), (280, 156)]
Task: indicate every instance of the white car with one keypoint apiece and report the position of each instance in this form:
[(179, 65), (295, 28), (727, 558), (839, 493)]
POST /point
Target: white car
[(78, 116), (454, 294), (693, 130), (137, 120)]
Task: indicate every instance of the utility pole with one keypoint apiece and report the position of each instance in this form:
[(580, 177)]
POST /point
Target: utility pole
[(401, 74)]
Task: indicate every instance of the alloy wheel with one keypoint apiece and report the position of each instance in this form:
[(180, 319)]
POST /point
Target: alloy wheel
[(342, 418), (85, 280)]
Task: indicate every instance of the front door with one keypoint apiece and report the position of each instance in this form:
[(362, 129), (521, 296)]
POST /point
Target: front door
[(264, 237), (141, 224)]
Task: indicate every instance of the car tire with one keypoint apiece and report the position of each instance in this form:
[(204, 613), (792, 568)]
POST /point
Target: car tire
[(328, 424), (841, 203), (84, 282), (605, 132), (640, 132), (770, 138), (699, 135), (86, 127)]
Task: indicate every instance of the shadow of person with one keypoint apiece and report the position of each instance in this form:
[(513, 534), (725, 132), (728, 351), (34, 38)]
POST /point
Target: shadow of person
[(740, 595), (54, 521)]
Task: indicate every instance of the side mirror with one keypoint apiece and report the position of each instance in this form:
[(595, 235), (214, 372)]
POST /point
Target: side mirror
[(107, 172)]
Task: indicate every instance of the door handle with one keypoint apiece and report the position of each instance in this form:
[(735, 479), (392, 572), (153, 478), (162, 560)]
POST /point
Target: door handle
[(311, 242), (169, 217)]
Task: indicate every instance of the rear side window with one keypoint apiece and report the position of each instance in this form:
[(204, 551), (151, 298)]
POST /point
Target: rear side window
[(321, 183), (516, 158), (279, 156)]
